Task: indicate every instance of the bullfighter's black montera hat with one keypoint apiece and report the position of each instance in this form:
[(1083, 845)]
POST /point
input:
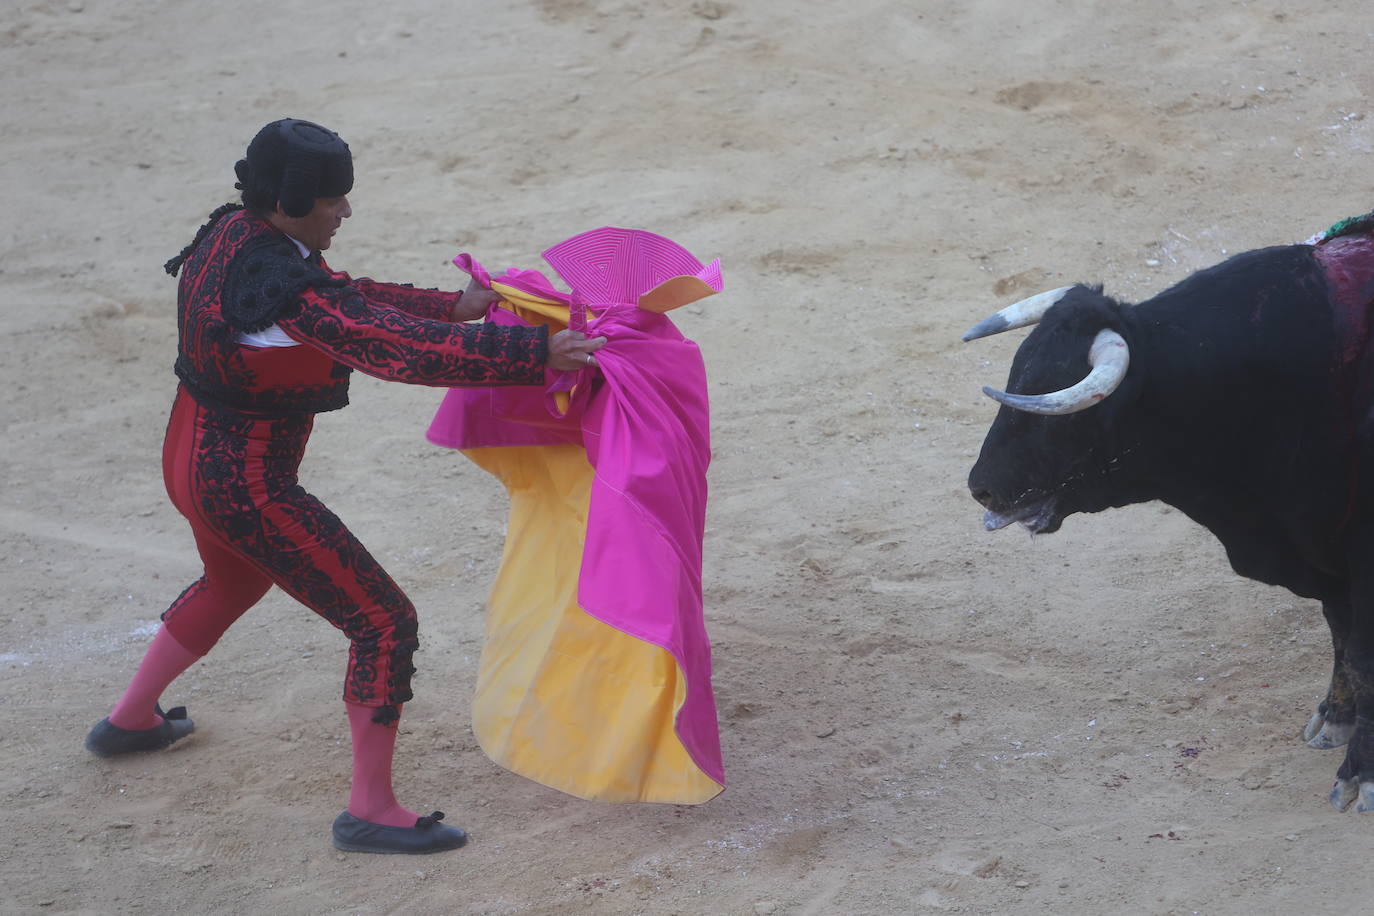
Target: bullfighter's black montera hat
[(294, 162)]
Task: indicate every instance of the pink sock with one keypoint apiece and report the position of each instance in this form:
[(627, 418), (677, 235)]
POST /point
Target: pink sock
[(162, 663), (371, 797)]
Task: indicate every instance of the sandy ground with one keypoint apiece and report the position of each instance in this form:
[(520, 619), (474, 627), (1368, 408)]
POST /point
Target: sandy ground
[(917, 716)]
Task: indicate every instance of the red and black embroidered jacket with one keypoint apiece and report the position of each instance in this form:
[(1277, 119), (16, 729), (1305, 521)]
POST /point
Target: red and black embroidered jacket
[(246, 276)]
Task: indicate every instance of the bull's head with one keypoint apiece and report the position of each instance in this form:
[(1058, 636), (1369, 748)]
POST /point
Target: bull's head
[(1044, 456)]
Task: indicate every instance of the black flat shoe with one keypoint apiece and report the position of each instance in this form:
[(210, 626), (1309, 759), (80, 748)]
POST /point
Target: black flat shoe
[(353, 834), (106, 739)]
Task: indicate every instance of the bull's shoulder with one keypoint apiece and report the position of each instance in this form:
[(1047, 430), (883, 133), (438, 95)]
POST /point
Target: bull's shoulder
[(1280, 273), (1348, 262), (1275, 264)]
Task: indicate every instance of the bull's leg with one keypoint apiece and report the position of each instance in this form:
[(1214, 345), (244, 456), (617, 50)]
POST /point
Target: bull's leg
[(1334, 721), (1355, 778)]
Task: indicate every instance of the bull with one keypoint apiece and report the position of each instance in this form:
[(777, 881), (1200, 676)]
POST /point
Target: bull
[(1243, 396)]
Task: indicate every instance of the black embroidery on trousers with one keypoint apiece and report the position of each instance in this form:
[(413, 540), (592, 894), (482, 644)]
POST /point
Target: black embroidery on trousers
[(311, 565)]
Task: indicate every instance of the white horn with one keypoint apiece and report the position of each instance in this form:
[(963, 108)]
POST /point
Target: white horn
[(1017, 315), (1109, 358)]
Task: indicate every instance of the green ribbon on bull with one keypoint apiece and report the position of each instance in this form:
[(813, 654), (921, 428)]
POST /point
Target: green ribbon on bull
[(1350, 226)]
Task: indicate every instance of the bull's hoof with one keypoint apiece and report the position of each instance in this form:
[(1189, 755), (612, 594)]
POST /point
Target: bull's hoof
[(1314, 725), (1331, 734), (1366, 803), (1343, 793)]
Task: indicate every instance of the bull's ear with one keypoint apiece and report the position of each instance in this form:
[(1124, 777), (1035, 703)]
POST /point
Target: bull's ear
[(1017, 315)]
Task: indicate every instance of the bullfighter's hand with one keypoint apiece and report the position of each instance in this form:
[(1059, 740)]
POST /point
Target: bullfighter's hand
[(572, 350), (474, 302)]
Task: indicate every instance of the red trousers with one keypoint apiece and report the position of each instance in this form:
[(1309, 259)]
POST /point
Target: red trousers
[(234, 478)]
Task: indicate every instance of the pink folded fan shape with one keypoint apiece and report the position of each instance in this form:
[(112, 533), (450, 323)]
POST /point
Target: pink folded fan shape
[(642, 417)]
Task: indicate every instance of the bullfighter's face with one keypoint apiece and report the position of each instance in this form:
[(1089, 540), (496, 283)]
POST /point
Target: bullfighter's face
[(316, 229)]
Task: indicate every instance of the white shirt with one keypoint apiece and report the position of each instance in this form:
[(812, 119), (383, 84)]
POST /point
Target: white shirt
[(272, 336)]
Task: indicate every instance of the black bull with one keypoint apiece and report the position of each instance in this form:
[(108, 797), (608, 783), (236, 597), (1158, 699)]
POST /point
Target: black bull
[(1244, 397)]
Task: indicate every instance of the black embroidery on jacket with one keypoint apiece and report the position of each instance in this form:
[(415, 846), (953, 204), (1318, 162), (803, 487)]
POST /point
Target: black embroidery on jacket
[(434, 304), (391, 344), (264, 282), (281, 401)]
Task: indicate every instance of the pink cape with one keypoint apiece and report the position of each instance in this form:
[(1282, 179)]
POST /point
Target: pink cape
[(643, 418)]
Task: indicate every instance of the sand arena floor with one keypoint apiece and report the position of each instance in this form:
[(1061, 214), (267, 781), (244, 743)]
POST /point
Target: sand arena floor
[(917, 716)]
